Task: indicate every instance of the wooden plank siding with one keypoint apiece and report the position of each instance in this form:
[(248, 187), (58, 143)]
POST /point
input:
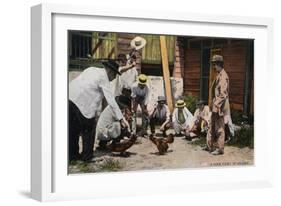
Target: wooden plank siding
[(235, 66), (192, 72), (234, 63)]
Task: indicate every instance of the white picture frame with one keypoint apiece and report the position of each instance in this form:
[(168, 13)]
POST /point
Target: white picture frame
[(49, 178)]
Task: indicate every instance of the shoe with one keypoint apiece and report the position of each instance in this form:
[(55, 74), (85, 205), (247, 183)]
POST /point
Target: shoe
[(188, 138), (206, 148), (178, 134), (217, 152)]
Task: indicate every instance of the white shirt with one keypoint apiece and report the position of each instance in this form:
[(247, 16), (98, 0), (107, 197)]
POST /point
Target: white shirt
[(142, 93), (125, 80), (88, 89), (187, 115)]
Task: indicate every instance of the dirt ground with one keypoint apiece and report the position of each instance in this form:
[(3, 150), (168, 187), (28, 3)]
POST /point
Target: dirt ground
[(181, 154)]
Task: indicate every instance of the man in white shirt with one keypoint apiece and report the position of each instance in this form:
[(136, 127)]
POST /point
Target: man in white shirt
[(128, 77), (201, 119), (108, 126), (182, 119), (160, 116), (85, 96)]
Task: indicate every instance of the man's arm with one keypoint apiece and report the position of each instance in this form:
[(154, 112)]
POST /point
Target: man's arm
[(221, 97), (105, 87)]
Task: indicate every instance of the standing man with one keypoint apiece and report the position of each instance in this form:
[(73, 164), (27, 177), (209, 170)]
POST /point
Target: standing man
[(139, 95), (182, 119), (85, 96), (160, 116), (220, 107)]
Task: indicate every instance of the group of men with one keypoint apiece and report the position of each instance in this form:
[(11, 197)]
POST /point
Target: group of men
[(125, 94)]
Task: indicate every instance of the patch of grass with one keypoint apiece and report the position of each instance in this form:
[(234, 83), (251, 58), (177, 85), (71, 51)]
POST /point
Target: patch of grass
[(110, 165), (83, 167), (201, 141), (243, 137)]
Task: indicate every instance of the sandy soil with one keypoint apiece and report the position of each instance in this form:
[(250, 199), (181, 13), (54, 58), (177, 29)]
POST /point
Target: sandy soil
[(181, 154)]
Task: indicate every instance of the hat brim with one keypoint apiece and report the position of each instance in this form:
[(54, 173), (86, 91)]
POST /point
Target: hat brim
[(111, 67), (142, 83), (181, 106), (133, 44)]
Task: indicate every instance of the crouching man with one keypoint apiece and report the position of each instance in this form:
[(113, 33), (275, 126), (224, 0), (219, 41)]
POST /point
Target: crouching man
[(160, 116), (201, 119), (182, 119), (109, 127)]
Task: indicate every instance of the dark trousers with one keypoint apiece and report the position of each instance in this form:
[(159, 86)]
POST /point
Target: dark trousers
[(80, 125), (155, 121)]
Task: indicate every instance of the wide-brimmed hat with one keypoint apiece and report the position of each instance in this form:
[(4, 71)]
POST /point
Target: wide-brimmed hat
[(142, 79), (161, 99), (112, 64), (138, 43), (217, 58), (123, 101), (180, 103)]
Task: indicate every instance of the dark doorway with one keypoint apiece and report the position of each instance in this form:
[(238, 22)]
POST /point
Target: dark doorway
[(205, 71)]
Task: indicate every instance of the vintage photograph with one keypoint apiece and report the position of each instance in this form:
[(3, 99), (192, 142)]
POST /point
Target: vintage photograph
[(150, 101)]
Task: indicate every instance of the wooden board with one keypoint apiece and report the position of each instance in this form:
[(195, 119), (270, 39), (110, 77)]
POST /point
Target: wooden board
[(166, 72)]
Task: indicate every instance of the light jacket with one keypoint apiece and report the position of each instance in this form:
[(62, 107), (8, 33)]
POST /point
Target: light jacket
[(88, 89)]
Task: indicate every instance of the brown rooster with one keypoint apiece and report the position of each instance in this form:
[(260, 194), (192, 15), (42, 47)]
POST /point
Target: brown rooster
[(122, 146), (162, 143)]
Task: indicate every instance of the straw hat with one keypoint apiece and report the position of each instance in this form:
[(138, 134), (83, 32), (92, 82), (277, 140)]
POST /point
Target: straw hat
[(180, 103), (217, 58), (138, 43), (142, 79)]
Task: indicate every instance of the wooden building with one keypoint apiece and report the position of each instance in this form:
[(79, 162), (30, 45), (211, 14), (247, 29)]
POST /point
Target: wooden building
[(189, 59)]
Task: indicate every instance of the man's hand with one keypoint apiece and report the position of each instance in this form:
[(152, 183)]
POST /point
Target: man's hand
[(162, 128), (124, 123)]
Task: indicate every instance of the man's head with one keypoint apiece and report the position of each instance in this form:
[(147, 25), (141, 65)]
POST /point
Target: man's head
[(122, 60), (142, 81), (111, 68), (123, 101), (200, 104), (180, 104), (217, 62), (161, 101)]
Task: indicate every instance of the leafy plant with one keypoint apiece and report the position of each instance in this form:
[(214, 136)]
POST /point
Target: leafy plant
[(190, 102), (244, 137)]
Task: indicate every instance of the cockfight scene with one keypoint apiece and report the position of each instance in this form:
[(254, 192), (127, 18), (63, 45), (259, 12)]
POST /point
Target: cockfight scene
[(148, 102)]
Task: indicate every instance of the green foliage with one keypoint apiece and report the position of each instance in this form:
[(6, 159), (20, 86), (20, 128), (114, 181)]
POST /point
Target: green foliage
[(244, 137), (237, 117), (190, 102), (84, 167), (110, 165)]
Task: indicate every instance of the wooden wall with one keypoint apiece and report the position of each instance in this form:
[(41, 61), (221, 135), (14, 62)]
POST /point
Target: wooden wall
[(192, 72), (235, 56)]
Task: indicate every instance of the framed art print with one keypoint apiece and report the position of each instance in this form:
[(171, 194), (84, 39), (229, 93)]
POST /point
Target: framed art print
[(135, 102)]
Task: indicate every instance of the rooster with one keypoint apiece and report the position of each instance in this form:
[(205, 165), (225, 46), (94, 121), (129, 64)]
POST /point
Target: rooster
[(162, 143), (122, 146)]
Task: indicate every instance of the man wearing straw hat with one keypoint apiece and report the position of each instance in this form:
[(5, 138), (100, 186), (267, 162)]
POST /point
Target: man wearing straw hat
[(182, 119), (160, 116), (140, 93), (220, 108)]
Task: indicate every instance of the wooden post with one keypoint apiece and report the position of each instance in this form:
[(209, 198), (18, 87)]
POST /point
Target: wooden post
[(166, 72)]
